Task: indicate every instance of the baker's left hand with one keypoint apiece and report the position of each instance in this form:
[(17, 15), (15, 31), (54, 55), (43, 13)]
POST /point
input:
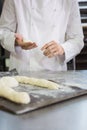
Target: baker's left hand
[(52, 49)]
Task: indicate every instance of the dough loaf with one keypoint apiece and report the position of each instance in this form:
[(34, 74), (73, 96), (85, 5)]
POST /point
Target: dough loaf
[(6, 84), (12, 95), (25, 40), (8, 81), (7, 92), (37, 82)]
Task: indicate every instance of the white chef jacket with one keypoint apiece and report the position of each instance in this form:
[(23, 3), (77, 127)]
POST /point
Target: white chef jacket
[(41, 21)]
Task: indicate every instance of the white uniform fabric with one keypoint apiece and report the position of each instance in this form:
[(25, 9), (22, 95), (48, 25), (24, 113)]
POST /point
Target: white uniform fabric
[(41, 21)]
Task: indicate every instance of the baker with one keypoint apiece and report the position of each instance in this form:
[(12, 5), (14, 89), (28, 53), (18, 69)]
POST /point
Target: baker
[(41, 34)]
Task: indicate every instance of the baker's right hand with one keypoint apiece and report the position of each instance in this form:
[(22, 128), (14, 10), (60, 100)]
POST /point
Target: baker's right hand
[(19, 41)]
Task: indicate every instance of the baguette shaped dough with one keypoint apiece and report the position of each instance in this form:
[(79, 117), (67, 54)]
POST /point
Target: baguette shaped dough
[(37, 82), (25, 40), (8, 81), (12, 95), (7, 92)]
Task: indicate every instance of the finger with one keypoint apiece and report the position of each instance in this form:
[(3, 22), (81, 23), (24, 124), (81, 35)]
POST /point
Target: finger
[(60, 52), (53, 52), (32, 47), (46, 53), (27, 44), (35, 44), (50, 55), (50, 50), (47, 45), (29, 47), (56, 50)]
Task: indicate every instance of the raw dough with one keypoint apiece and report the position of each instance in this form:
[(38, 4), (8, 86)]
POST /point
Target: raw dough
[(12, 95), (7, 92), (21, 97), (25, 40), (8, 81), (37, 82)]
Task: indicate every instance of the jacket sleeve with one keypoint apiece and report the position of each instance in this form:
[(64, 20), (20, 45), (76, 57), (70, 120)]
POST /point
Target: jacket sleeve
[(8, 26), (74, 34)]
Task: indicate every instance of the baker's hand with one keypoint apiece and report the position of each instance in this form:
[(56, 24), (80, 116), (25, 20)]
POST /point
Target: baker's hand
[(19, 41), (52, 49)]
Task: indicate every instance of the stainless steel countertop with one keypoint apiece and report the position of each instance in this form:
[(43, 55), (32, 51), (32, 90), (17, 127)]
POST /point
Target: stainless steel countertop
[(67, 115)]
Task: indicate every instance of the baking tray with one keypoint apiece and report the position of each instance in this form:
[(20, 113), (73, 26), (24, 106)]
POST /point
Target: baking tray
[(41, 97)]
